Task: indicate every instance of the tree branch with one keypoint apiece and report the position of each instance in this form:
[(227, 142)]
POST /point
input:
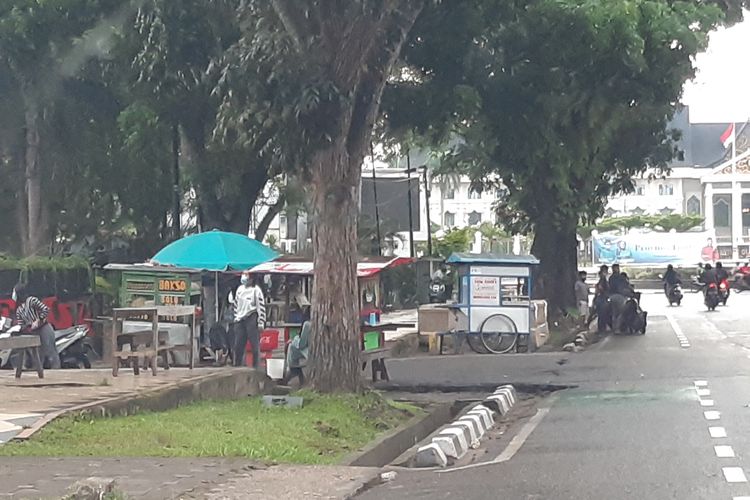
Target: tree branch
[(272, 212)]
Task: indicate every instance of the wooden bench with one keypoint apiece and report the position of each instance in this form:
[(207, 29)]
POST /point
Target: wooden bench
[(376, 359), (28, 345)]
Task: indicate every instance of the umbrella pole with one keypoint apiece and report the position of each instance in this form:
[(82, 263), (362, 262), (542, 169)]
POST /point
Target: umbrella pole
[(216, 297)]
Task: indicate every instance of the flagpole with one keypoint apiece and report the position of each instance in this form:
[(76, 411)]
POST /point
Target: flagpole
[(734, 148)]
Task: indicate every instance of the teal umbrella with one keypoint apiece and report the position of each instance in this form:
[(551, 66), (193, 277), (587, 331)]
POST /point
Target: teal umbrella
[(215, 251)]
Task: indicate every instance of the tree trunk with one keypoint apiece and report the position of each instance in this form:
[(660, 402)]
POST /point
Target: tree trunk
[(335, 348), (270, 215), (556, 246), (35, 230)]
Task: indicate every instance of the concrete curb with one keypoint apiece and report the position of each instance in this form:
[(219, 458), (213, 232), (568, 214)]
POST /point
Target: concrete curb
[(231, 384), (455, 440)]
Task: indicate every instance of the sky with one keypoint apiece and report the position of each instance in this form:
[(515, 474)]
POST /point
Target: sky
[(720, 92)]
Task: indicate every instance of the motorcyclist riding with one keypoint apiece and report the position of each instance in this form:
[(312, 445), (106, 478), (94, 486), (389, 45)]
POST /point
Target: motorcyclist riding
[(671, 278), (721, 273), (709, 276)]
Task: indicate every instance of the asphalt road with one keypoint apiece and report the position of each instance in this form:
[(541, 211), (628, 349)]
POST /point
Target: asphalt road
[(632, 427)]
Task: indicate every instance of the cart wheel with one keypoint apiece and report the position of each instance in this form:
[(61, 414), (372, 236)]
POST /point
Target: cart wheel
[(499, 333), (476, 344)]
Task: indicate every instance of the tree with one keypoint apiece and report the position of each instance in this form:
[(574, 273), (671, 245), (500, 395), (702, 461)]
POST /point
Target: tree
[(454, 240), (320, 68), (562, 101), (42, 44)]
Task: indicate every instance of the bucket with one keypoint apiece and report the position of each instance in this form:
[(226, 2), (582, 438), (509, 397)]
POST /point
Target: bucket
[(275, 368)]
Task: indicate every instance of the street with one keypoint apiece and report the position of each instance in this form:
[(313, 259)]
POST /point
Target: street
[(633, 426)]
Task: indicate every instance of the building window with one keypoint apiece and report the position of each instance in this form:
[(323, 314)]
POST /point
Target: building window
[(666, 190), (669, 189), (449, 219), (693, 206), (475, 218), (722, 210), (639, 191), (449, 194), (474, 194)]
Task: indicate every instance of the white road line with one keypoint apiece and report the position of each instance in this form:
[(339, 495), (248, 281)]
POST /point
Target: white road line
[(700, 383), (717, 432), (706, 402), (684, 343), (724, 451), (712, 415), (740, 498), (516, 443), (734, 474), (703, 392)]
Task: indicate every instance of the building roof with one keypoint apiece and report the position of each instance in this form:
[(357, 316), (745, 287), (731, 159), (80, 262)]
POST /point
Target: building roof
[(700, 144), (492, 258)]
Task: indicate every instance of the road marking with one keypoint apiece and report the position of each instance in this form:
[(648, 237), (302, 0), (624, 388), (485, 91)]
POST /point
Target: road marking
[(734, 474), (684, 342), (717, 432), (516, 443), (703, 392), (700, 383), (740, 498), (706, 402), (712, 415), (724, 451)]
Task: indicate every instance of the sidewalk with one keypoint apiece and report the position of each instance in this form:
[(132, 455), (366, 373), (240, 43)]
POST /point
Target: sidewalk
[(176, 478)]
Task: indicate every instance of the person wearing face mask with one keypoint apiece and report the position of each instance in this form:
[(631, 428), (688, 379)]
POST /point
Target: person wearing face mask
[(249, 320)]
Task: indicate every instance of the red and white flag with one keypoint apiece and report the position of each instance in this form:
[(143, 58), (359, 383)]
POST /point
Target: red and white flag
[(727, 137)]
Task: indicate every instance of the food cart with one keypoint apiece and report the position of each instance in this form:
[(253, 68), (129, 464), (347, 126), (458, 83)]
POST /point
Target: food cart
[(147, 285), (495, 300), (288, 303)]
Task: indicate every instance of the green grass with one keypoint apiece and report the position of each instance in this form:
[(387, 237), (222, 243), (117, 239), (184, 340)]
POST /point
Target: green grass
[(322, 432)]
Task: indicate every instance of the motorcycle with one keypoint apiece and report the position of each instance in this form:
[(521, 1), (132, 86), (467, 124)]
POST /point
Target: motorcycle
[(741, 282), (711, 297), (71, 344), (724, 291), (674, 294), (437, 292), (73, 347)]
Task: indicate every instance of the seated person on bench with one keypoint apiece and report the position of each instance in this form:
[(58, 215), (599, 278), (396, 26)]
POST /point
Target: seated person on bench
[(296, 356)]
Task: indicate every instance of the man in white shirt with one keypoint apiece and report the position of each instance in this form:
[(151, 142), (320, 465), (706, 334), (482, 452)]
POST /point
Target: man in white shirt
[(249, 319)]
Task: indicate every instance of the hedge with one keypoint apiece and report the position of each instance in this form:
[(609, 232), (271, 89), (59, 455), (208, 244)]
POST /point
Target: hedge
[(64, 277)]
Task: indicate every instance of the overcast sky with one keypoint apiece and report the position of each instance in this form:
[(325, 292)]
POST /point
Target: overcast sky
[(721, 89)]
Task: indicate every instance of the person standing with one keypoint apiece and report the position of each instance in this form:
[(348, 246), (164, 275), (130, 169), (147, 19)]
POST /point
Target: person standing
[(32, 314), (249, 319), (582, 296)]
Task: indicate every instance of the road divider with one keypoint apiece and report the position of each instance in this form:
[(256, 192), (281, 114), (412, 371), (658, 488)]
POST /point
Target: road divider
[(453, 441)]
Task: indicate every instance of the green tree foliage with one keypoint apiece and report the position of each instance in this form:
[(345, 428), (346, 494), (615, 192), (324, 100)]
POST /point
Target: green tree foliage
[(454, 240), (562, 101), (679, 223)]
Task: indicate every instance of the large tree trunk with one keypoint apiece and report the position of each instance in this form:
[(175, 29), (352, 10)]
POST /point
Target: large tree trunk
[(334, 352), (556, 246), (35, 232), (359, 67)]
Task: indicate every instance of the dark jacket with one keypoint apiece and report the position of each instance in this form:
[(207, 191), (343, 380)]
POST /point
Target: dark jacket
[(671, 277), (709, 276)]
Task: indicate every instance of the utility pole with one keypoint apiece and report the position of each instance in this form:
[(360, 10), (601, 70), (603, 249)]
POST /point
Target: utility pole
[(176, 211), (427, 212), (375, 196), (411, 222)]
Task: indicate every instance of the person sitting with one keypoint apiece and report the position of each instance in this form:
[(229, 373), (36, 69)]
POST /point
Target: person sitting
[(671, 278), (721, 273), (296, 355), (617, 282)]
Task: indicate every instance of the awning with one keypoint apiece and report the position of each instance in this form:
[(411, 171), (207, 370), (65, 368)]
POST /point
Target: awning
[(305, 268)]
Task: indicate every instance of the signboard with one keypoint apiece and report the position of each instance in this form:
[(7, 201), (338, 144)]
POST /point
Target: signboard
[(485, 291), (653, 247), (172, 285)]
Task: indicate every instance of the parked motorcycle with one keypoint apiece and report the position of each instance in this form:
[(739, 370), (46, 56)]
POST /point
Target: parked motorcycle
[(71, 344), (724, 291), (437, 292), (674, 294), (711, 297)]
